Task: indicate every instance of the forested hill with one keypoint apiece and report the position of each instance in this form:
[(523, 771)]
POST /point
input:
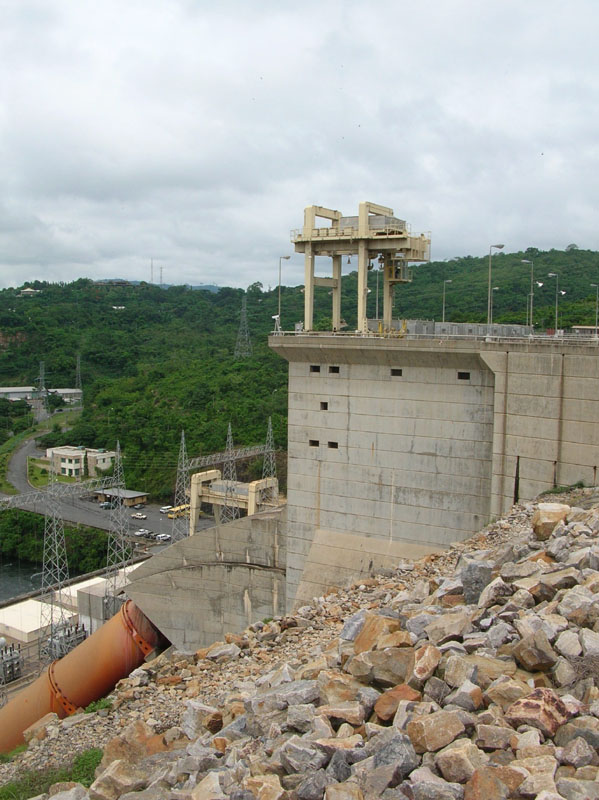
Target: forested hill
[(155, 361)]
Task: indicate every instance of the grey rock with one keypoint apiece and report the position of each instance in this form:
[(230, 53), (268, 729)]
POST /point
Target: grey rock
[(436, 689), (575, 789), (313, 786), (589, 641), (352, 626), (578, 753), (338, 767), (300, 717), (587, 727), (299, 755), (474, 575), (280, 697)]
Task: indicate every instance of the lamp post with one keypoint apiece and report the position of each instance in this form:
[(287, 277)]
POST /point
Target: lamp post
[(557, 293), (280, 259), (596, 287), (529, 319), (489, 300), (444, 285), (494, 289)]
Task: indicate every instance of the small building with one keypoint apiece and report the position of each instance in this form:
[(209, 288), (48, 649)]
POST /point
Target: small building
[(29, 292), (129, 497), (71, 397), (71, 461), (18, 392)]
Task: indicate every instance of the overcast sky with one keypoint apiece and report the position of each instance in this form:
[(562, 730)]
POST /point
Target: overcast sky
[(194, 133)]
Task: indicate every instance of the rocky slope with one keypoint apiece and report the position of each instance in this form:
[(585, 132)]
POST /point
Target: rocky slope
[(471, 674)]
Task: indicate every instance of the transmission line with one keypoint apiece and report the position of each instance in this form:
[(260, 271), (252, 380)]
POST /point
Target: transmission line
[(229, 511), (119, 550), (182, 493), (243, 347)]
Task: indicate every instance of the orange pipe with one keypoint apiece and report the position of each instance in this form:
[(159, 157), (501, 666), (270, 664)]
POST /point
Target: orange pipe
[(85, 674)]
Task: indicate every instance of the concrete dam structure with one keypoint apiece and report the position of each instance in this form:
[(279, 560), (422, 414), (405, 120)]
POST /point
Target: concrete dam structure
[(402, 438)]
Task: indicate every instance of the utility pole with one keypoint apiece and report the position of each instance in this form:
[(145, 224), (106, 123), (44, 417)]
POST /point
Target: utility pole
[(229, 511), (182, 496), (243, 347), (119, 550)]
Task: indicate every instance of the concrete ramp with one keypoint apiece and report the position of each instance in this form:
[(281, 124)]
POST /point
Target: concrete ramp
[(221, 579)]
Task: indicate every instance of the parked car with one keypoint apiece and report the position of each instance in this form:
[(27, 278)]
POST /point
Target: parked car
[(105, 504), (165, 509), (163, 537), (139, 505), (138, 515), (141, 532)]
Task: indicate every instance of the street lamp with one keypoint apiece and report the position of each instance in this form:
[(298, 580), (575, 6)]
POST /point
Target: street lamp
[(280, 259), (532, 294), (557, 293), (596, 287), (489, 300), (494, 289), (444, 285)]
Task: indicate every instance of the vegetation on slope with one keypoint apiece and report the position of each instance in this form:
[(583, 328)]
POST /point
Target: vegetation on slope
[(157, 361)]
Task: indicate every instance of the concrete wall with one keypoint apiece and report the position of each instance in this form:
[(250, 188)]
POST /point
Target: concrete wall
[(429, 456), (221, 579)]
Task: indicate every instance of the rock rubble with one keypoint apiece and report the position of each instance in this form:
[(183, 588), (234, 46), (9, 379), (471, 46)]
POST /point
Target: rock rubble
[(469, 675)]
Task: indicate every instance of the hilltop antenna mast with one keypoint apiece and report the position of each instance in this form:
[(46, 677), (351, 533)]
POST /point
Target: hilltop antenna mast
[(269, 467), (229, 511), (243, 348), (57, 636), (151, 270), (119, 551), (182, 493), (161, 276)]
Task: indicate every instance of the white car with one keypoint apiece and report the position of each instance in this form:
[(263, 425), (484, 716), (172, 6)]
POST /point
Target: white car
[(142, 532), (165, 509), (163, 537), (139, 515)]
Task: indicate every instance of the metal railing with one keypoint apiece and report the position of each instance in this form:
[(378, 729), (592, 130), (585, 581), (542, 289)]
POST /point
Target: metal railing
[(537, 338), (349, 232)]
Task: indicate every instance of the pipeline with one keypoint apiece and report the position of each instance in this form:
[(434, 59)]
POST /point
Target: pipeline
[(87, 673)]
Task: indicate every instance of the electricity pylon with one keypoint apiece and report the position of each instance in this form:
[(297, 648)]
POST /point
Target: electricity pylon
[(243, 348), (229, 511), (78, 384), (182, 495), (43, 410), (119, 550), (55, 575), (269, 467)]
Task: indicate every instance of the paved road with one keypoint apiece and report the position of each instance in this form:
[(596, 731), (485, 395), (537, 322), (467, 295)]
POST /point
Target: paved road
[(17, 466), (81, 511)]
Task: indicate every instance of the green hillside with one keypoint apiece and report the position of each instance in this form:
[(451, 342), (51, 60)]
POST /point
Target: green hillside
[(162, 360)]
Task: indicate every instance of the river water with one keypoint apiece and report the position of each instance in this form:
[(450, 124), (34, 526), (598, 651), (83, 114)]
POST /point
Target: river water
[(16, 579)]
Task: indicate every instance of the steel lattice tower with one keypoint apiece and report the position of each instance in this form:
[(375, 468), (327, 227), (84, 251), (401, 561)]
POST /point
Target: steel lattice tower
[(230, 510), (119, 550), (269, 467), (181, 524), (243, 348), (78, 384), (43, 392), (55, 574)]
